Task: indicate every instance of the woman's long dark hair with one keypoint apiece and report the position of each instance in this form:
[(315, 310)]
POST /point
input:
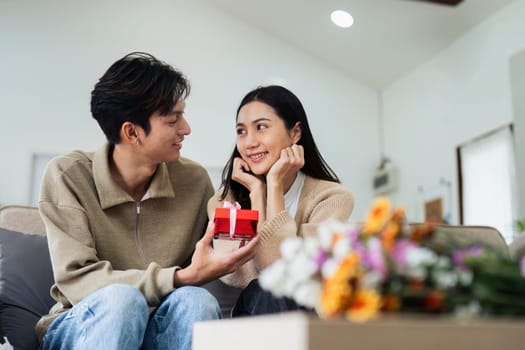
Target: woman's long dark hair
[(288, 107)]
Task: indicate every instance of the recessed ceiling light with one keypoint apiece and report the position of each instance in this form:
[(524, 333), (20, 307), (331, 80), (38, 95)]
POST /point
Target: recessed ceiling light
[(342, 18)]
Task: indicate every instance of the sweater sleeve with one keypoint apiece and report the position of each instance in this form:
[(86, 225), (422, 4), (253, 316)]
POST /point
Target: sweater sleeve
[(337, 206), (322, 201)]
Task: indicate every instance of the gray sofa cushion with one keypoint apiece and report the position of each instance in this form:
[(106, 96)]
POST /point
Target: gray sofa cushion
[(226, 295), (25, 279)]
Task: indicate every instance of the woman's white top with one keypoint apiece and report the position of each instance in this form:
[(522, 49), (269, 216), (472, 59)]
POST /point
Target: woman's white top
[(291, 197)]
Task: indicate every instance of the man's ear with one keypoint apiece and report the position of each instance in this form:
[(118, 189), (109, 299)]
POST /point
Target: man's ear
[(128, 133), (296, 132)]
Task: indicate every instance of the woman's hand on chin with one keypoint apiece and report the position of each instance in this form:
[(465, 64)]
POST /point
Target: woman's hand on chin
[(241, 173), (283, 172)]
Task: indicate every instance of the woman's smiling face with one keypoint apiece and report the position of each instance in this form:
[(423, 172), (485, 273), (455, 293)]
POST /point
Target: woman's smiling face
[(261, 135)]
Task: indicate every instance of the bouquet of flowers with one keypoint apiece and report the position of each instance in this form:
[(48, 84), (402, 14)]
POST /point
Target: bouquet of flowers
[(386, 265)]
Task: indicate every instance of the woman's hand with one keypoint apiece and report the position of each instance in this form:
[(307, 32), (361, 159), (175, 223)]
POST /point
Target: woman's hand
[(283, 172), (281, 177), (242, 175), (208, 264)]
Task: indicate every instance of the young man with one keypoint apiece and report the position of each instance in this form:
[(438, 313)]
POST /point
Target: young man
[(126, 225)]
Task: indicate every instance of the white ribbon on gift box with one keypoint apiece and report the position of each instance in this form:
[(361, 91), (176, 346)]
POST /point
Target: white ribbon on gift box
[(233, 215)]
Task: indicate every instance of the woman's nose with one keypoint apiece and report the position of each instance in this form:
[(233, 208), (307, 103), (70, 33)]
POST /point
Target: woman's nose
[(251, 140)]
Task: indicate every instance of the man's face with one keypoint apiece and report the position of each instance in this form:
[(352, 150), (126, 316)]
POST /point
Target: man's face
[(164, 141)]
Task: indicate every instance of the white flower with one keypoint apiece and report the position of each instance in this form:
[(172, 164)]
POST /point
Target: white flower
[(417, 257), (290, 247), (443, 262), (273, 276), (311, 246), (416, 272), (465, 277), (445, 279), (328, 229), (288, 286), (329, 268), (342, 248), (302, 267), (308, 293), (371, 280)]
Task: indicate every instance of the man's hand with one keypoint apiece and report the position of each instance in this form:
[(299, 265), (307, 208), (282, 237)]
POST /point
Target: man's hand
[(208, 264)]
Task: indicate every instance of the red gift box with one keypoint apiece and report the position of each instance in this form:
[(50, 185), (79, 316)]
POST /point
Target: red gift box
[(245, 223)]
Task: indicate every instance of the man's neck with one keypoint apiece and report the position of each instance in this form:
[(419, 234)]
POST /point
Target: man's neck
[(129, 173)]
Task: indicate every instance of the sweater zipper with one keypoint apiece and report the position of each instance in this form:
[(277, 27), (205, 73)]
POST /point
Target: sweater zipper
[(137, 235)]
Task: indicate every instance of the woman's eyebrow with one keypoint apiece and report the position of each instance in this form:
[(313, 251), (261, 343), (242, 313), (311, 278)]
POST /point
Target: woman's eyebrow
[(255, 121)]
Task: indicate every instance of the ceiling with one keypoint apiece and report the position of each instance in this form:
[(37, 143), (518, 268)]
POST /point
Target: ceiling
[(388, 38)]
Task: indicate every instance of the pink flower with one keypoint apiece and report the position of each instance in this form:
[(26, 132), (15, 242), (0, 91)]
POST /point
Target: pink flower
[(522, 266), (353, 235), (459, 256), (374, 257), (320, 258), (399, 253)]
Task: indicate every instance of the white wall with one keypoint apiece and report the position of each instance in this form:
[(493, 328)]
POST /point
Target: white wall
[(517, 70), (463, 92), (53, 51)]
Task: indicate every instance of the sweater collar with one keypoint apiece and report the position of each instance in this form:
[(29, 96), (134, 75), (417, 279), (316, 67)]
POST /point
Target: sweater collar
[(110, 194)]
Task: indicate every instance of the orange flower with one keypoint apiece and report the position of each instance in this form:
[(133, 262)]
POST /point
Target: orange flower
[(348, 266), (398, 215), (420, 232), (337, 290), (391, 302), (335, 238), (377, 216), (335, 297), (389, 234), (364, 306)]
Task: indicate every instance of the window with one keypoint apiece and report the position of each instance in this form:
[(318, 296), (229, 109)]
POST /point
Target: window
[(38, 166), (487, 181)]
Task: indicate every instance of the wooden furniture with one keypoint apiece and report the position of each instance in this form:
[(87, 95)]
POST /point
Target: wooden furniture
[(299, 331)]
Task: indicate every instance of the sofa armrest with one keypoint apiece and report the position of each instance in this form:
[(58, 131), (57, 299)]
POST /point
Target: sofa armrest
[(21, 218)]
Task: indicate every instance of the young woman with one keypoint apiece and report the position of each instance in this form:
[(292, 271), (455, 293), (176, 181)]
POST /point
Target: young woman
[(277, 169)]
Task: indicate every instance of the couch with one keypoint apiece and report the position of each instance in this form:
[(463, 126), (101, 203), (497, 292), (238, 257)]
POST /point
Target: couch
[(26, 277), (26, 274)]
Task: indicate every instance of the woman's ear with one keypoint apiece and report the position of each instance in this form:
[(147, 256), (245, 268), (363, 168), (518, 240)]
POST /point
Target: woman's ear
[(296, 132)]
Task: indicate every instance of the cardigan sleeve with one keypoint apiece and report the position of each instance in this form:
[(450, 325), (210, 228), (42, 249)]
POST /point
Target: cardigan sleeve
[(338, 206), (321, 201)]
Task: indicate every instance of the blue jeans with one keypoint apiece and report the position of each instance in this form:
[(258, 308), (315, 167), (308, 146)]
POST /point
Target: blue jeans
[(117, 317)]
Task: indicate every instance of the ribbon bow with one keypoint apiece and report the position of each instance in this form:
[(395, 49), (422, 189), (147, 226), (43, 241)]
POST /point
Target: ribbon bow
[(233, 215)]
